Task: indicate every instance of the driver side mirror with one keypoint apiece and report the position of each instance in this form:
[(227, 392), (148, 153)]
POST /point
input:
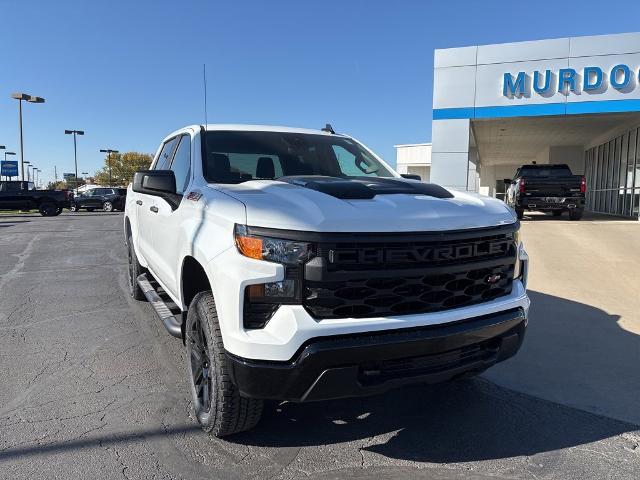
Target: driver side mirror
[(411, 176), (155, 182), (159, 183)]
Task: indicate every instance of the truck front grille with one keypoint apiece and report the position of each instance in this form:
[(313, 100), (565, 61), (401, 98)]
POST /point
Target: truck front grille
[(401, 296), (369, 278)]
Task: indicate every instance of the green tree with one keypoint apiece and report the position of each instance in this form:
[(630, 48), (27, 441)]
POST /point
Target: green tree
[(57, 185), (123, 166)]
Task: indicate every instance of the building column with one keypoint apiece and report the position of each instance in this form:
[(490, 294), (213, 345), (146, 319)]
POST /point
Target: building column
[(450, 159)]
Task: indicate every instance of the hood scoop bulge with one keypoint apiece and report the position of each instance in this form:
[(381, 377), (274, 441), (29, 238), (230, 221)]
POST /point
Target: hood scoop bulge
[(365, 188)]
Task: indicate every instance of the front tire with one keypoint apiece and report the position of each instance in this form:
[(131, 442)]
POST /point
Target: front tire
[(219, 407), (107, 207)]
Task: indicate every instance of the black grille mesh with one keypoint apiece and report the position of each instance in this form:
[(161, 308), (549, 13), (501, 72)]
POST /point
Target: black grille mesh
[(362, 297)]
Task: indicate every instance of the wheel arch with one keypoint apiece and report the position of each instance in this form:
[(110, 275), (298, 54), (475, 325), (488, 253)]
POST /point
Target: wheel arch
[(193, 279)]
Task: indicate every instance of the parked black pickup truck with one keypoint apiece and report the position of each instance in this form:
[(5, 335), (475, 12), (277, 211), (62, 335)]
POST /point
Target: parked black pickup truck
[(547, 188), (23, 196)]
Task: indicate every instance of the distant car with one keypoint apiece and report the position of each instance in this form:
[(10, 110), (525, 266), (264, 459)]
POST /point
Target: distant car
[(107, 199)]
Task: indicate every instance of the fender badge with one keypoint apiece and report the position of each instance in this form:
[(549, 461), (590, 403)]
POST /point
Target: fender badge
[(493, 278), (194, 196)]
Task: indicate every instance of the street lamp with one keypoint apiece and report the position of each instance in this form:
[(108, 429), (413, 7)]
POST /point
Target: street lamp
[(2, 147), (75, 151), (108, 151), (31, 99), (25, 162)]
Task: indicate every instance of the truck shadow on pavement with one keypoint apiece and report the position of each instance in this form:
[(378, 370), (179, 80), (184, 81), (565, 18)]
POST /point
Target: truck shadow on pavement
[(469, 420)]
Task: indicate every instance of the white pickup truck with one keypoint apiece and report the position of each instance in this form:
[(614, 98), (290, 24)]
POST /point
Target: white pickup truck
[(297, 265)]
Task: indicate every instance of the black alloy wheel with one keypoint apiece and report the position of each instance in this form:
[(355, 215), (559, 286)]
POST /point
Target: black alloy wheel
[(200, 362), (48, 209)]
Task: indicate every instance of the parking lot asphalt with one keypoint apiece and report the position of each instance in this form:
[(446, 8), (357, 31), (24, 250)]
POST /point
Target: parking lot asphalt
[(93, 387)]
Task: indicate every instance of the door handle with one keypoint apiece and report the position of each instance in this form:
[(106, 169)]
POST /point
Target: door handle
[(139, 202), (153, 208)]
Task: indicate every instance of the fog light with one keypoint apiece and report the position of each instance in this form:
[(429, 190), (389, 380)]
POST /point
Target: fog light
[(285, 288)]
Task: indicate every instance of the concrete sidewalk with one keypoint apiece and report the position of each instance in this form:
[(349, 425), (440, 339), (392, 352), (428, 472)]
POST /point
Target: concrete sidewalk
[(583, 342)]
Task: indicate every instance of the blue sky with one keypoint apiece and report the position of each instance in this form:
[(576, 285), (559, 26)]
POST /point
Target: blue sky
[(129, 72)]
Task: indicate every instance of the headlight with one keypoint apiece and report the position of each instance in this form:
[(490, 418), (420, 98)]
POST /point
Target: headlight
[(517, 270), (261, 300), (286, 252)]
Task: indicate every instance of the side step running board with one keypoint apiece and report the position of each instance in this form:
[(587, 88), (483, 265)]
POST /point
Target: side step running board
[(169, 320)]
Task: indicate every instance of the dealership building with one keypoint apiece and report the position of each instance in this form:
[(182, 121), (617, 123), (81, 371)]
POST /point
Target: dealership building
[(567, 100)]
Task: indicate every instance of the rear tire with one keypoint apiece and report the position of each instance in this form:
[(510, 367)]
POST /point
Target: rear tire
[(48, 209), (107, 207), (575, 214), (74, 208), (520, 213), (219, 407), (135, 270)]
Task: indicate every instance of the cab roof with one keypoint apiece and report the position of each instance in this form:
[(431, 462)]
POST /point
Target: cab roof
[(253, 128)]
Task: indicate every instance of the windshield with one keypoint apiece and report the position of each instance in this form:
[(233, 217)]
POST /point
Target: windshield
[(235, 157), (546, 171)]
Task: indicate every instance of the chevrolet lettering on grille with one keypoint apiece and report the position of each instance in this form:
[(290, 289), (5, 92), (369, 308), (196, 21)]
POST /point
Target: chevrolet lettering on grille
[(418, 254)]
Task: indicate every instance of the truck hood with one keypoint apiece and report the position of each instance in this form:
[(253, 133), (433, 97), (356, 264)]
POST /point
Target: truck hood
[(288, 206)]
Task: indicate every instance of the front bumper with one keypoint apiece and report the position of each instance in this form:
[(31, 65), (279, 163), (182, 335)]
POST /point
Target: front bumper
[(369, 363)]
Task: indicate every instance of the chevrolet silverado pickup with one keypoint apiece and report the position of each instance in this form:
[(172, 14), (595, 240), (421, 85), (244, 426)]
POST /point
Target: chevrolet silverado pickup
[(547, 188), (18, 195), (296, 265)]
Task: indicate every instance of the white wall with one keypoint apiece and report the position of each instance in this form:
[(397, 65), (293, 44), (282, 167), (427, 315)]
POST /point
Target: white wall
[(450, 153)]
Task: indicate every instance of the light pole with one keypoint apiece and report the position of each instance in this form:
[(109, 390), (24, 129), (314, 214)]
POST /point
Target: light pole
[(27, 163), (5, 158), (108, 151), (31, 99), (75, 151)]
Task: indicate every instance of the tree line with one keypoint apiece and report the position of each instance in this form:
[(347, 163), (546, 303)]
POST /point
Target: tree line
[(122, 166)]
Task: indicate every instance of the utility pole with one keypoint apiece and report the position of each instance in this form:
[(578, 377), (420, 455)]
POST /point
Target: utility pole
[(108, 151), (27, 98), (75, 151)]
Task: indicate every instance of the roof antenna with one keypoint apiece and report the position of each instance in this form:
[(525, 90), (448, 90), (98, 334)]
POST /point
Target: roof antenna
[(204, 79), (328, 128)]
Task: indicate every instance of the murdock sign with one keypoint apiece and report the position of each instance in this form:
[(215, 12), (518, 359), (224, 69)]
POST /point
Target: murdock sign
[(568, 80)]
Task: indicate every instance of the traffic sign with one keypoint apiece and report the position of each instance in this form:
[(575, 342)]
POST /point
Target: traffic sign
[(68, 176), (9, 168)]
